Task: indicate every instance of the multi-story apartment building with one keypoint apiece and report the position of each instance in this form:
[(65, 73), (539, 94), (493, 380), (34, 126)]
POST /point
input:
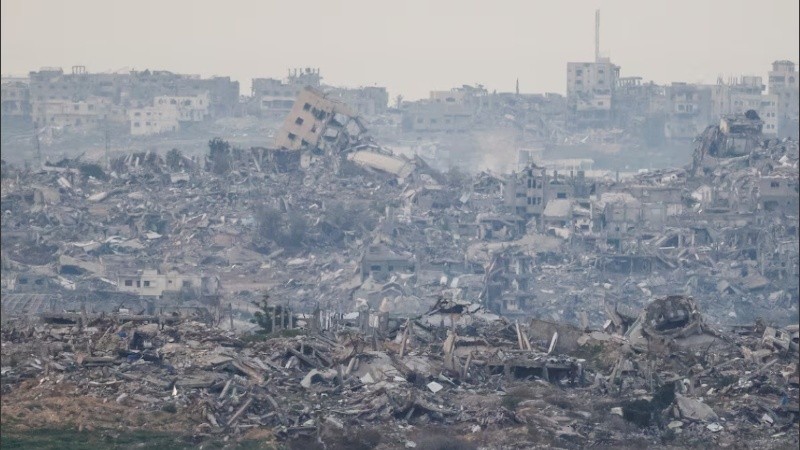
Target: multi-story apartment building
[(366, 101), (131, 89), (276, 97), (688, 110), (156, 119), (15, 99), (783, 84), (590, 92), (190, 108)]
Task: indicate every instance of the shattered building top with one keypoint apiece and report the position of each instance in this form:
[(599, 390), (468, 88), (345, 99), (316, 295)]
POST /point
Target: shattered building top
[(748, 123), (315, 118), (390, 164)]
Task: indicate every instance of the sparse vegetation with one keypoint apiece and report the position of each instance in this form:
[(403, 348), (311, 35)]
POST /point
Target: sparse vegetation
[(286, 230), (219, 156), (174, 159), (93, 170), (264, 315)]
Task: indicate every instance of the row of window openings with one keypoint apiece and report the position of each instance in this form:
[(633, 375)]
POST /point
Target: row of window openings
[(538, 200), (184, 103), (534, 184), (318, 113), (579, 72), (146, 283), (77, 121), (534, 201), (580, 82)]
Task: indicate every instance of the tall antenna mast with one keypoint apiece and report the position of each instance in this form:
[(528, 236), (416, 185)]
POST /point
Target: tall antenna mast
[(597, 35)]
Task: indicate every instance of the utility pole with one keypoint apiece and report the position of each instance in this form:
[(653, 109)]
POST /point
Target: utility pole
[(36, 138), (108, 166)]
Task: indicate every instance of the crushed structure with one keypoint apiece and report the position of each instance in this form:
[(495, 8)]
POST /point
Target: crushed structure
[(520, 307)]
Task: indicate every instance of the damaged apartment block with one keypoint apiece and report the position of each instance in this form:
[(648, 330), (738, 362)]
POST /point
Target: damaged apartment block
[(320, 125)]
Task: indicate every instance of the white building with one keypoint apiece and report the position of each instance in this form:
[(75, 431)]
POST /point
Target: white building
[(587, 79), (81, 115), (193, 108), (783, 84), (740, 95), (151, 283), (151, 120)]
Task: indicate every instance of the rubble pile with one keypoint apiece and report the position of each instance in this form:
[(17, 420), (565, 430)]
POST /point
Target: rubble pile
[(472, 372), (311, 227), (413, 296)]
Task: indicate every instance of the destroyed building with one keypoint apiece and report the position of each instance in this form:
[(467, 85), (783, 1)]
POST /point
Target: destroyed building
[(15, 100), (380, 262), (148, 283), (276, 97), (393, 291), (318, 123)]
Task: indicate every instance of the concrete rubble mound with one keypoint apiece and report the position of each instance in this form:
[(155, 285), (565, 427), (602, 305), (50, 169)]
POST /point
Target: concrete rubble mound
[(328, 286), (489, 374)]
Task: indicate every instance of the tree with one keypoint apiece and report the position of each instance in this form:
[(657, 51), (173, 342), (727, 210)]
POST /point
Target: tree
[(269, 222), (286, 230), (297, 230), (263, 317), (93, 170), (350, 216), (174, 159), (219, 154)]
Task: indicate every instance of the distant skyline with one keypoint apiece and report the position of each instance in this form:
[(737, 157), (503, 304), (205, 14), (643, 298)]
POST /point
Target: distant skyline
[(410, 47)]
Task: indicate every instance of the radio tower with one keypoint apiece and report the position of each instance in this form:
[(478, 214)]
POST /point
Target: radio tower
[(597, 35)]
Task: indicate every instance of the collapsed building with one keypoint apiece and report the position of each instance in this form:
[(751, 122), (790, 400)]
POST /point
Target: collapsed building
[(318, 123), (410, 288), (669, 380)]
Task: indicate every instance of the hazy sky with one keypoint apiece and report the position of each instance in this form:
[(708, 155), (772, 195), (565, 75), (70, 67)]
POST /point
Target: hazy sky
[(409, 46)]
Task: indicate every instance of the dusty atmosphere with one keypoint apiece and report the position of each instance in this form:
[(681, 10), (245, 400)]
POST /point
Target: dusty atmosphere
[(460, 225)]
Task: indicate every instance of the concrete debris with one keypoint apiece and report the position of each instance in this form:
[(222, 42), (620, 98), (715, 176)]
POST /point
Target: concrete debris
[(331, 283), (146, 365), (692, 409), (435, 387)]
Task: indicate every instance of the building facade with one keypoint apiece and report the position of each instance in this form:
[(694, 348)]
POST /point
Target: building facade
[(15, 99), (783, 85), (590, 91), (308, 120), (156, 119), (193, 108)]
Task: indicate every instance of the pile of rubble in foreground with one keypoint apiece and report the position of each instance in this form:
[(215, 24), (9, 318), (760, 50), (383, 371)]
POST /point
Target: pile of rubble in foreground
[(664, 379)]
